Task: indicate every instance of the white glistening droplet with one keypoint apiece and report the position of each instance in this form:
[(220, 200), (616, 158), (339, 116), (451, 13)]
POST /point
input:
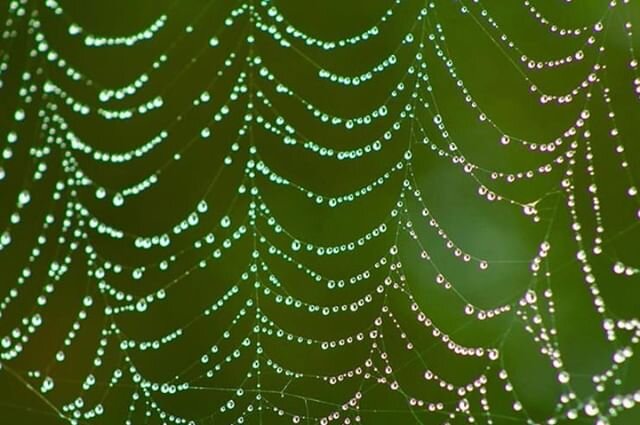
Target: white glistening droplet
[(118, 200), (141, 305), (24, 197), (19, 115), (591, 409), (563, 377)]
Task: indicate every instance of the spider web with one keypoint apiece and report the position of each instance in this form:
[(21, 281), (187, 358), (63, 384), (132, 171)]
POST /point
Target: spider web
[(345, 212)]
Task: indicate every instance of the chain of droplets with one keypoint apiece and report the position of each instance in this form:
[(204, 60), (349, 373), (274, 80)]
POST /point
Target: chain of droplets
[(48, 384), (43, 47), (138, 306), (511, 176), (153, 384), (530, 207), (15, 12), (534, 64), (56, 269), (632, 189), (77, 144), (591, 407), (457, 158), (274, 15), (106, 94), (131, 89), (554, 28), (619, 267), (439, 40), (373, 334), (165, 388), (239, 88), (13, 343), (449, 244), (394, 266), (92, 40)]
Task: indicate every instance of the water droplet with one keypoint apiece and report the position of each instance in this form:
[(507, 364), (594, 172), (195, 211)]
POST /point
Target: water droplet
[(141, 305), (118, 200), (618, 268), (24, 197), (591, 409), (563, 377), (47, 385)]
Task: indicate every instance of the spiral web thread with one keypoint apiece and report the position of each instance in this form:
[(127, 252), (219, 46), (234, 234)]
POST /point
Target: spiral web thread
[(265, 277)]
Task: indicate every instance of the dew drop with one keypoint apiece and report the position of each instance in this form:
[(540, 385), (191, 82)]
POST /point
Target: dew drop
[(118, 200), (225, 221), (591, 409), (563, 377), (141, 305), (19, 115)]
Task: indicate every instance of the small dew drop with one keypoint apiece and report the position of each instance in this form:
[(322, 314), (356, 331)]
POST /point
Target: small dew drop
[(141, 305), (118, 200), (295, 245), (591, 409), (563, 377), (19, 115)]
